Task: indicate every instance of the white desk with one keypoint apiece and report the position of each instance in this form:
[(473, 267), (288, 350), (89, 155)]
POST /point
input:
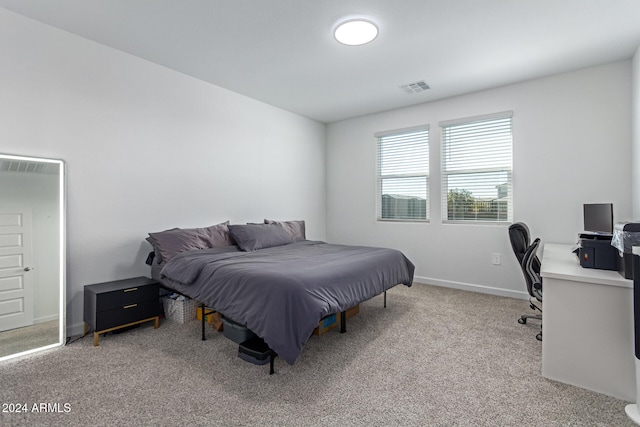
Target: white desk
[(587, 327)]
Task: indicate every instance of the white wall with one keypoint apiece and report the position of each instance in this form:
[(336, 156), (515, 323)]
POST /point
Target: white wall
[(147, 149), (572, 145), (635, 132)]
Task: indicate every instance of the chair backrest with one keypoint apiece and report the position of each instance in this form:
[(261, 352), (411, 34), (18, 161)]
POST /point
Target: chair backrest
[(519, 237), (527, 258), (531, 269)]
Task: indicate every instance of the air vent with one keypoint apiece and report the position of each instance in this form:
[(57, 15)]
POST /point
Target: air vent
[(9, 165), (415, 87)]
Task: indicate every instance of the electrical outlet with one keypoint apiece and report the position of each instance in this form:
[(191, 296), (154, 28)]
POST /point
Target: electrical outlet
[(495, 259)]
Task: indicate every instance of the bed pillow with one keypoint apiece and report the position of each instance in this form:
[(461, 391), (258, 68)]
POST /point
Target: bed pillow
[(158, 254), (296, 229), (219, 235), (168, 243), (251, 237)]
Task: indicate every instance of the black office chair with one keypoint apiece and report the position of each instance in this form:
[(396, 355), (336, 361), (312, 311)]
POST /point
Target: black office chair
[(530, 265)]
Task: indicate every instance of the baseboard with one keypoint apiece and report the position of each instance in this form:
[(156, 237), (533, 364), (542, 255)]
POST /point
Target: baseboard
[(472, 287), (43, 319), (77, 329)]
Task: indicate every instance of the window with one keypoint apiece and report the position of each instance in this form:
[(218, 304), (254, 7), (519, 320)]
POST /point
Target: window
[(403, 175), (476, 169)]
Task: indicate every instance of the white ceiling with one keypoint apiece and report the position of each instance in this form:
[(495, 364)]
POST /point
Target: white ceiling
[(282, 52)]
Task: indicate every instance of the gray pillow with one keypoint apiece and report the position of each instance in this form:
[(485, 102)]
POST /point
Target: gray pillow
[(219, 235), (251, 237), (296, 229), (168, 243)]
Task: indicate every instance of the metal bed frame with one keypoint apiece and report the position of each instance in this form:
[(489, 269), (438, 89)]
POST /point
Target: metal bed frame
[(272, 354)]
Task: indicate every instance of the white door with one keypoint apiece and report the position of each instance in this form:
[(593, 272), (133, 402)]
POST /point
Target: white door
[(16, 281)]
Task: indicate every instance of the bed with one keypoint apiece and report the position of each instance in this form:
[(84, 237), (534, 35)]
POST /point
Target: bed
[(272, 279)]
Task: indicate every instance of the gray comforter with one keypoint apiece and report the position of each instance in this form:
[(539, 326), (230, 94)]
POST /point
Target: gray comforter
[(281, 293)]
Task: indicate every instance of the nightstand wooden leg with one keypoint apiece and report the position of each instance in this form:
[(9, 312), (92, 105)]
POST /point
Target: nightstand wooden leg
[(95, 339), (157, 322)]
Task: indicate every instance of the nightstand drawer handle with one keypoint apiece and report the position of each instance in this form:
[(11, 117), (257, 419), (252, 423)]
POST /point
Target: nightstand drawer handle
[(130, 290), (130, 306)]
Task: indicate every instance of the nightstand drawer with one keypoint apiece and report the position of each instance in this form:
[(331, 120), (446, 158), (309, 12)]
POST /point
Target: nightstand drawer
[(128, 296), (126, 314)]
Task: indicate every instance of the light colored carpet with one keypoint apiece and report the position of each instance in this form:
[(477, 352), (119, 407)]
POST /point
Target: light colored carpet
[(434, 356), (28, 337)]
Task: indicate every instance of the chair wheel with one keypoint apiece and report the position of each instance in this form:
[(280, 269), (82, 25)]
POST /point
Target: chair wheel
[(539, 337), (522, 321)]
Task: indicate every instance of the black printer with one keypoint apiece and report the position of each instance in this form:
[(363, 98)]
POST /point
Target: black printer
[(626, 235), (595, 251)]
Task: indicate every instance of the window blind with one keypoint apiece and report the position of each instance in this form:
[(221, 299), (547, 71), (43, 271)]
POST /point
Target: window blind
[(403, 175), (476, 169)]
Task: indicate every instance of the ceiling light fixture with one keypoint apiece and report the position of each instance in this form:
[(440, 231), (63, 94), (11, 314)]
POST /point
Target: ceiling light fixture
[(356, 32)]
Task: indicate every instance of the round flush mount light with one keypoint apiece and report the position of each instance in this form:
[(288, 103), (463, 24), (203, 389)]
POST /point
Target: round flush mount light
[(356, 32)]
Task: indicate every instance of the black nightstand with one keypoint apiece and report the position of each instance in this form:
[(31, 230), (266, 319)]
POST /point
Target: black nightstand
[(113, 305)]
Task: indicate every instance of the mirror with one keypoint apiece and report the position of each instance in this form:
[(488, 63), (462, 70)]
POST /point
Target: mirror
[(32, 255)]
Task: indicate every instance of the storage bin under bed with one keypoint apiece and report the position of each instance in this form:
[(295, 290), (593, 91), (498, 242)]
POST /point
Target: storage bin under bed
[(235, 331)]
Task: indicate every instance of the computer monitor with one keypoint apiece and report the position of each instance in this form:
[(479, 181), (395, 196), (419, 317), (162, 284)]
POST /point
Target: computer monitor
[(598, 217)]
